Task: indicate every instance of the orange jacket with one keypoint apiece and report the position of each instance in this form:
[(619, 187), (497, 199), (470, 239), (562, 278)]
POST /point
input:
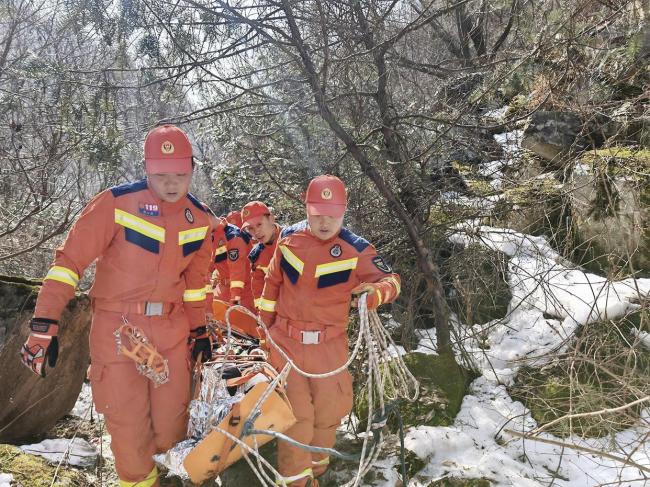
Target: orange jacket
[(260, 258), (146, 250), (231, 247), (310, 280)]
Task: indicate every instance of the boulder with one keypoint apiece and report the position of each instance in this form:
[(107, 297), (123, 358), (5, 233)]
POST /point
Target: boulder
[(553, 135), (30, 405)]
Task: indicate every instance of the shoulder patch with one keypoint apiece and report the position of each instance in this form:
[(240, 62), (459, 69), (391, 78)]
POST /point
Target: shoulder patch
[(256, 252), (197, 203), (381, 264), (296, 227), (126, 188), (357, 242)]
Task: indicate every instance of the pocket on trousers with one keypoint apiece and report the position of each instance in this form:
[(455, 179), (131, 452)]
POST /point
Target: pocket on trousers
[(98, 386)]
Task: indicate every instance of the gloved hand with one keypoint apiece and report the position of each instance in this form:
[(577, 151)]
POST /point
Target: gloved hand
[(374, 298), (41, 345), (200, 343)]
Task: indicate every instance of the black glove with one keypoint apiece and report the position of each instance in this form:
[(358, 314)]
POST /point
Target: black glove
[(200, 343)]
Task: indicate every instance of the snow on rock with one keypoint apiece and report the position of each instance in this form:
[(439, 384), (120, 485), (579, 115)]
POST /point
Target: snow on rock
[(77, 451), (510, 142), (82, 408), (549, 301)]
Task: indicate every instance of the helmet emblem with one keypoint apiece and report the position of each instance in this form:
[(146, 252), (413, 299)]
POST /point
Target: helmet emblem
[(167, 147)]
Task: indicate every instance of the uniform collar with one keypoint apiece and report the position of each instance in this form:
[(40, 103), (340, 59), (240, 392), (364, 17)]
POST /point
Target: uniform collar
[(331, 239), (276, 235)]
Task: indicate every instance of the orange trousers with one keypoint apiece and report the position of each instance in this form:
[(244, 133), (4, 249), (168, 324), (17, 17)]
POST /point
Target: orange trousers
[(318, 404), (141, 419)]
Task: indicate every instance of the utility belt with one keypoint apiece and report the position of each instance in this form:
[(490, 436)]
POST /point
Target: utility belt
[(145, 308), (296, 330)]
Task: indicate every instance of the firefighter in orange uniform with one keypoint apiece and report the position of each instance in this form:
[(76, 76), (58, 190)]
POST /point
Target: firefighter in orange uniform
[(259, 222), (231, 266), (151, 240), (234, 218), (315, 270)]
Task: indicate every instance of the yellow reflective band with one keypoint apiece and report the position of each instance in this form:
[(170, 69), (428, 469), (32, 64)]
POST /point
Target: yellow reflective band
[(379, 297), (295, 262), (220, 250), (208, 289), (267, 305), (257, 302), (148, 482), (194, 294), (192, 235), (62, 274), (308, 472), (337, 266), (395, 283), (139, 225), (324, 461), (264, 269), (236, 284)]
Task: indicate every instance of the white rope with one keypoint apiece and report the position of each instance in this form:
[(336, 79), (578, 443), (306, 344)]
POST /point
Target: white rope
[(388, 378)]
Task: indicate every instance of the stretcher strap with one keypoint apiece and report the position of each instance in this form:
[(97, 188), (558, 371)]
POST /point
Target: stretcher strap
[(233, 426)]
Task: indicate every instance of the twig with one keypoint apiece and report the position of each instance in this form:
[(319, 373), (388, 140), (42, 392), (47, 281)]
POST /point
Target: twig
[(579, 448)]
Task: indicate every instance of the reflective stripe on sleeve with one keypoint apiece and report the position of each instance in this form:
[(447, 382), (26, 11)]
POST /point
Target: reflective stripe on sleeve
[(194, 295), (395, 283), (267, 305), (62, 274), (236, 284)]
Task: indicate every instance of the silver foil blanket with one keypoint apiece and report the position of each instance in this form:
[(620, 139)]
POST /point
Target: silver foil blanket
[(212, 406)]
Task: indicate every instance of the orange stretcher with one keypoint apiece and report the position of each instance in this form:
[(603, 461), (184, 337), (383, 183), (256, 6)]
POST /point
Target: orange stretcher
[(240, 319), (217, 452)]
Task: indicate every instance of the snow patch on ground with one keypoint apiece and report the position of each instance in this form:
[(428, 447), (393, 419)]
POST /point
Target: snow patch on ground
[(77, 451), (6, 479), (477, 445)]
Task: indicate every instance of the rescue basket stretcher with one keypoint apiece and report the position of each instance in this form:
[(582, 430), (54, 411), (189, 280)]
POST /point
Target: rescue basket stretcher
[(235, 392)]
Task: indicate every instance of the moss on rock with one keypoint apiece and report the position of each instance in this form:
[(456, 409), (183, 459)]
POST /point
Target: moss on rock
[(34, 471), (443, 384)]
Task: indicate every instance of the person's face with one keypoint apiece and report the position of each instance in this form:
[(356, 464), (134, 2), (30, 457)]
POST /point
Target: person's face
[(325, 227), (170, 187), (262, 231)]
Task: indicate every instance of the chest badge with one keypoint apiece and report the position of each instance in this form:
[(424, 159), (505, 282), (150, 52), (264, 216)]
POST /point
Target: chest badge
[(233, 254), (188, 215), (148, 209), (336, 251)]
